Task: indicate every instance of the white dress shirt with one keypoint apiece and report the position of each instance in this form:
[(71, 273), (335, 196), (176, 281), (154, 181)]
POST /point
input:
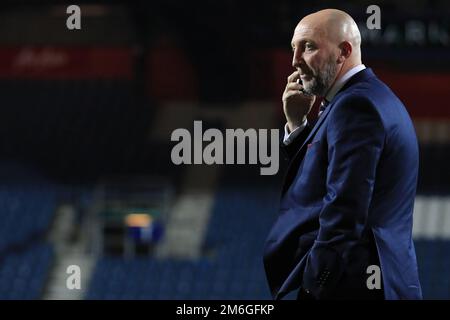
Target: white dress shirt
[(290, 136)]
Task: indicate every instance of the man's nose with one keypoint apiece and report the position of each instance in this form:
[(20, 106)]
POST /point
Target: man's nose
[(297, 59)]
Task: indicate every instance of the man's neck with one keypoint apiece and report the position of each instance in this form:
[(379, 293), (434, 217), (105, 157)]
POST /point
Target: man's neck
[(342, 78)]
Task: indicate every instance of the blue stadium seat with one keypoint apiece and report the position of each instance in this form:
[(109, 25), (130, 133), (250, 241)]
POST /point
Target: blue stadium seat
[(23, 274)]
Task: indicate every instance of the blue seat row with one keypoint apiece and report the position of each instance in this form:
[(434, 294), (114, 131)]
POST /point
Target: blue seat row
[(23, 273)]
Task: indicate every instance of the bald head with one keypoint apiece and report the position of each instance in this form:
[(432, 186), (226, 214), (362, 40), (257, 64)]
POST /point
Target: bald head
[(335, 26), (326, 45)]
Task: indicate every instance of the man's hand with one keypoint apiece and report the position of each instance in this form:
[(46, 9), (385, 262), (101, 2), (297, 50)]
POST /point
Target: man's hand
[(296, 105)]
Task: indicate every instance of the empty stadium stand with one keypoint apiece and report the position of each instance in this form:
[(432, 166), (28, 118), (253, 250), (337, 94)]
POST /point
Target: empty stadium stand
[(27, 206), (24, 272), (76, 108)]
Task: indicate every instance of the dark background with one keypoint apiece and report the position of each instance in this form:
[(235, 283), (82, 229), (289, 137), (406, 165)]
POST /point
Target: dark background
[(81, 107)]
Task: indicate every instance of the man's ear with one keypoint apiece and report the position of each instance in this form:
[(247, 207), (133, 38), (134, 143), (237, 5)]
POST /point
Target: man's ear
[(346, 50)]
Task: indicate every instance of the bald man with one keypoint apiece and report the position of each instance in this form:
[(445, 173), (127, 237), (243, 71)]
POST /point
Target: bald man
[(345, 222)]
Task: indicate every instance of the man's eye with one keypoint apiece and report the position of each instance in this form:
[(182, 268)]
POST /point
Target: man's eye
[(309, 46)]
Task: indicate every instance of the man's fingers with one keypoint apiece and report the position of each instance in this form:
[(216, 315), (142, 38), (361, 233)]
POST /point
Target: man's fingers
[(293, 77), (293, 86), (294, 90), (291, 93)]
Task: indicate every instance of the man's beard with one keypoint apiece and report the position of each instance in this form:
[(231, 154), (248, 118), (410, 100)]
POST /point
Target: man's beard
[(322, 81)]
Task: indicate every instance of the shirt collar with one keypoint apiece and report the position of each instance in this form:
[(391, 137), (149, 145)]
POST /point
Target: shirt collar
[(342, 81)]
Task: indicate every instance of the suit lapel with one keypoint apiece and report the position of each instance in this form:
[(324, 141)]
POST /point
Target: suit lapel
[(301, 152), (317, 125), (295, 163)]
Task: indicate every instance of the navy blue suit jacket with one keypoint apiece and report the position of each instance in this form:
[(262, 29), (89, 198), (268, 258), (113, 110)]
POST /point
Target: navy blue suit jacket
[(348, 200)]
